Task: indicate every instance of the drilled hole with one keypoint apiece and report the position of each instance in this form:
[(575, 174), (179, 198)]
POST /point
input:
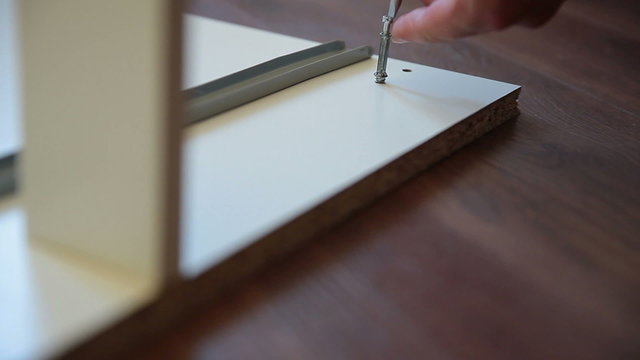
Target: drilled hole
[(407, 70)]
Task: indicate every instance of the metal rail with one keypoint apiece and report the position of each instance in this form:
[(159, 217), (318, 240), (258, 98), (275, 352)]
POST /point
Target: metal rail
[(261, 80)]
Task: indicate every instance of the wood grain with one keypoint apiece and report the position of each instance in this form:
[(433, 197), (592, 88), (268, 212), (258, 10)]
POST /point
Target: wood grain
[(525, 244)]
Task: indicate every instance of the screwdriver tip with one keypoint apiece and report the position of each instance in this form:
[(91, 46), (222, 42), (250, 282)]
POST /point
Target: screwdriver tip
[(380, 77)]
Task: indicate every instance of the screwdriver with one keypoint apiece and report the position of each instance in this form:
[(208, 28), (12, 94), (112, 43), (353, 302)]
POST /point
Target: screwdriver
[(385, 38)]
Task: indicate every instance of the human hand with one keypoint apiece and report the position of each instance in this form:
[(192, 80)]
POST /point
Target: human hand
[(441, 20)]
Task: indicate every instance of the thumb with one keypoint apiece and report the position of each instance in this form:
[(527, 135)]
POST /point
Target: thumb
[(439, 21)]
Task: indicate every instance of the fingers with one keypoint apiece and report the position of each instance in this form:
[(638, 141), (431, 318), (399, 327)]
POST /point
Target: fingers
[(439, 21), (442, 20)]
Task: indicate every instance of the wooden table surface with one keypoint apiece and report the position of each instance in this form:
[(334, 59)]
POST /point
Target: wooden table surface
[(523, 245)]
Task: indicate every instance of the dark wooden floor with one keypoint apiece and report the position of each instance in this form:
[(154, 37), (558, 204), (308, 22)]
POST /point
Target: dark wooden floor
[(523, 245)]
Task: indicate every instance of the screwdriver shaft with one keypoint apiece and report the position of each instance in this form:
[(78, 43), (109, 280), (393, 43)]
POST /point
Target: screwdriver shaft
[(385, 39)]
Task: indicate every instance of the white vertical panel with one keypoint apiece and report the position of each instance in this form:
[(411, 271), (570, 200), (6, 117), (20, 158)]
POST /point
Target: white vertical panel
[(95, 80)]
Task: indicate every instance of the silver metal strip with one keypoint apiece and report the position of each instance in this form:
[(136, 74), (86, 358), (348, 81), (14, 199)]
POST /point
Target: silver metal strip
[(261, 80)]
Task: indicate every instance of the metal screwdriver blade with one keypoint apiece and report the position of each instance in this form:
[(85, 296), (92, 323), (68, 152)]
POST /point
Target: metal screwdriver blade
[(385, 39)]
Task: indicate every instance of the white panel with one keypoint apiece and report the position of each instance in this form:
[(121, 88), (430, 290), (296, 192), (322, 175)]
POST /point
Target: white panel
[(10, 137), (253, 169), (95, 100)]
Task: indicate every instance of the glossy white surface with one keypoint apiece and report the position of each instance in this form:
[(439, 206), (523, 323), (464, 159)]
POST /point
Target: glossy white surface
[(254, 168), (51, 298), (10, 136)]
